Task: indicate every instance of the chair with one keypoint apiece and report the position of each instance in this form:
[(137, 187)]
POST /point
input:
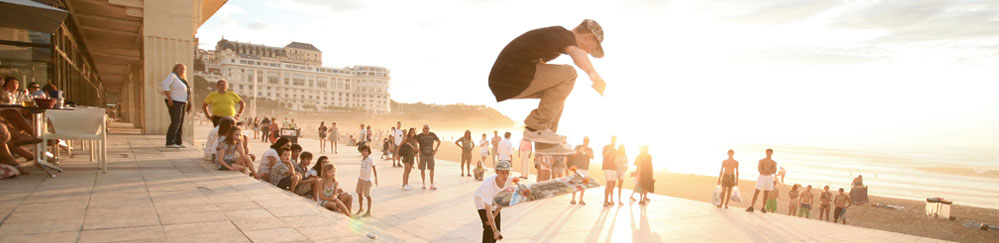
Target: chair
[(80, 124)]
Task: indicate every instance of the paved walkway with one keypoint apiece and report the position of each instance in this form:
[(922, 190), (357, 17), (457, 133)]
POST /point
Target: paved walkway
[(154, 194)]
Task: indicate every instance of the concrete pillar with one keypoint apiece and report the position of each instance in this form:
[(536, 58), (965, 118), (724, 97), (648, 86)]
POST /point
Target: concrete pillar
[(168, 29)]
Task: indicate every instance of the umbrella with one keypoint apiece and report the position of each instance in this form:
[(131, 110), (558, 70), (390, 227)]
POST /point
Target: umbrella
[(31, 15)]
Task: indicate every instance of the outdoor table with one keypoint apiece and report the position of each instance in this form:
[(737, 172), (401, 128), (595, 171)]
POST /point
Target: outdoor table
[(37, 119)]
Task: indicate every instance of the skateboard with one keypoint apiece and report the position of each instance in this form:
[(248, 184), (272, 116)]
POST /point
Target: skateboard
[(544, 149), (521, 193)]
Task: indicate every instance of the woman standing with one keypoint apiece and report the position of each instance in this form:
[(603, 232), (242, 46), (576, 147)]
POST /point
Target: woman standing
[(792, 203), (255, 125), (466, 145), (407, 150), (644, 164), (178, 98), (322, 137), (484, 144), (621, 165)]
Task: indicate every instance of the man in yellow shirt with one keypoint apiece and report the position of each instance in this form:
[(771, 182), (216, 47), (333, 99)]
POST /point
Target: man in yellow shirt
[(223, 103)]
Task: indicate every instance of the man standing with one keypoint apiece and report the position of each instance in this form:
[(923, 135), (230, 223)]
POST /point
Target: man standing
[(582, 162), (521, 72), (495, 142), (223, 103), (428, 150), (505, 148), (397, 139), (488, 214), (729, 177), (610, 171), (765, 182), (526, 149), (362, 135), (265, 129), (335, 137)]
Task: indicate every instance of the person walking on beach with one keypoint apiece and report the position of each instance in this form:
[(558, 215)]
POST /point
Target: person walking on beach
[(728, 177), (842, 202), (223, 103), (362, 135), (428, 144), (824, 202), (467, 146), (364, 180), (495, 142), (610, 171), (524, 153), (334, 137), (397, 137), (322, 137), (489, 214), (521, 72), (767, 167), (265, 129), (807, 198)]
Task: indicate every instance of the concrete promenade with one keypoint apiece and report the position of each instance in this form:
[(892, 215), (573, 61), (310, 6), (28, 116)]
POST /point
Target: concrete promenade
[(156, 194)]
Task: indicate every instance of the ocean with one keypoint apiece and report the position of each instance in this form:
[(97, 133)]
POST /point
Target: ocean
[(967, 176)]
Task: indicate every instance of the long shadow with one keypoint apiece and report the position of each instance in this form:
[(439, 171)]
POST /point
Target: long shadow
[(758, 233), (598, 226), (550, 231), (643, 232)]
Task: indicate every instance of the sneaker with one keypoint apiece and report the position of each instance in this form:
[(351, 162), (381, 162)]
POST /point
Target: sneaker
[(749, 209), (173, 146), (182, 145), (559, 149), (407, 188), (543, 136), (432, 187)]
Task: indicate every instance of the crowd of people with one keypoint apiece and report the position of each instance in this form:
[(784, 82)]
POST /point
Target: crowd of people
[(800, 199), (16, 132)]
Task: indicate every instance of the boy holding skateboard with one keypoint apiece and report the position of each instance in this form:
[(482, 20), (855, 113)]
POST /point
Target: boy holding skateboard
[(521, 72), (484, 203)]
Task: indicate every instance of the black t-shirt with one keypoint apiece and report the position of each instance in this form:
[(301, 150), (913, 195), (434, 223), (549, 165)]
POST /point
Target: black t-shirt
[(514, 67), (426, 142)]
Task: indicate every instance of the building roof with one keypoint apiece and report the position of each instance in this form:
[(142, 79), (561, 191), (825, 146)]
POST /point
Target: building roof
[(300, 45)]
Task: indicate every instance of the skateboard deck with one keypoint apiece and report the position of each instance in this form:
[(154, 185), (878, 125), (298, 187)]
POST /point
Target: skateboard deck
[(521, 193)]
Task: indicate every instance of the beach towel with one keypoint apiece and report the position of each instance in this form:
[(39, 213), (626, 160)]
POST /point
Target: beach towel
[(736, 196), (716, 197)]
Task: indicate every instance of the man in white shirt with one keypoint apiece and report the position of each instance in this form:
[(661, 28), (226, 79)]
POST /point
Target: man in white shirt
[(488, 214), (505, 148), (397, 139)]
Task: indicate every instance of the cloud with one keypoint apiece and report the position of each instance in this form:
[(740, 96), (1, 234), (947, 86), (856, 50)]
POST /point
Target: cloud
[(783, 12), (259, 26), (324, 5)]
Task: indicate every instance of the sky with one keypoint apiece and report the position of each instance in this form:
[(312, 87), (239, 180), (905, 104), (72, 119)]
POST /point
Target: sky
[(802, 72)]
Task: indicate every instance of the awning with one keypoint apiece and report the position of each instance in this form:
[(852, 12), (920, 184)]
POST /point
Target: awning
[(31, 15)]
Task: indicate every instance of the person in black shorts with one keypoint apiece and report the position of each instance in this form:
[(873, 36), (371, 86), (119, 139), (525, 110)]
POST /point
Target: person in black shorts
[(428, 150), (322, 137), (728, 177)]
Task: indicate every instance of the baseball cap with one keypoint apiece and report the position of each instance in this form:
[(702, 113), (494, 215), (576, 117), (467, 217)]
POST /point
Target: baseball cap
[(503, 165), (598, 32)]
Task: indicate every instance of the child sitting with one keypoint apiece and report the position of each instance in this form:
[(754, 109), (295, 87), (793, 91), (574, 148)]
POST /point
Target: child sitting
[(479, 170)]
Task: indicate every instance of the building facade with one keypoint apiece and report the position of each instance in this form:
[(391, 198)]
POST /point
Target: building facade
[(103, 53), (293, 76)]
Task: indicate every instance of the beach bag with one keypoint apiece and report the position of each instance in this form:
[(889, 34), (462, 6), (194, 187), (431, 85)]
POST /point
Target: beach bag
[(736, 196), (8, 171), (716, 196)]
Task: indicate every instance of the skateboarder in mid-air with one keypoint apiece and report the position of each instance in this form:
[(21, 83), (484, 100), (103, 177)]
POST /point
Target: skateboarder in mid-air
[(521, 72)]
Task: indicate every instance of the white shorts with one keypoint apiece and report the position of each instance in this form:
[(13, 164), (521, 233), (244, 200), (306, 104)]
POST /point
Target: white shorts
[(611, 175), (765, 183)]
